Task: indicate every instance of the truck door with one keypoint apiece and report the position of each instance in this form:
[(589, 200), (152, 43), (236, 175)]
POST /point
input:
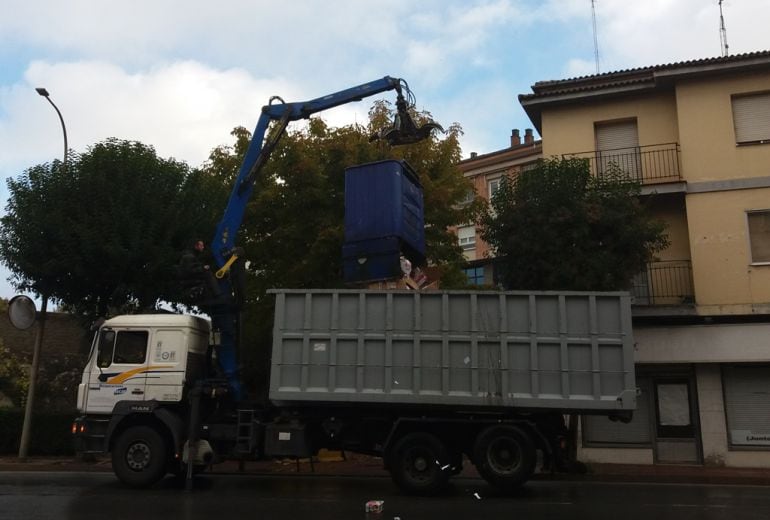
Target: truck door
[(120, 369)]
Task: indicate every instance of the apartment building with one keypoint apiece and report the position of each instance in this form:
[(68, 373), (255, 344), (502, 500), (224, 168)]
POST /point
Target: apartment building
[(697, 135), (485, 172)]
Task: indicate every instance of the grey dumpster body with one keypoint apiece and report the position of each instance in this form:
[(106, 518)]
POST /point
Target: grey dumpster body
[(522, 350)]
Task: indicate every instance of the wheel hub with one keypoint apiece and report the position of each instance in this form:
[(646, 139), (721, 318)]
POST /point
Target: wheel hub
[(420, 464), (502, 457), (138, 456)]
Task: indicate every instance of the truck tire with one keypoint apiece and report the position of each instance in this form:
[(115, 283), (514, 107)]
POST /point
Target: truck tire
[(416, 463), (504, 456), (139, 457)]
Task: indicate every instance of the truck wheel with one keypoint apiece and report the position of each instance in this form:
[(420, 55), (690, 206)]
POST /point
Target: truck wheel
[(139, 457), (416, 463), (504, 456)]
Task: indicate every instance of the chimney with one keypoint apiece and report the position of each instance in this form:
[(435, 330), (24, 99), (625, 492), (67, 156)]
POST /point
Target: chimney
[(515, 138), (474, 155), (528, 137)]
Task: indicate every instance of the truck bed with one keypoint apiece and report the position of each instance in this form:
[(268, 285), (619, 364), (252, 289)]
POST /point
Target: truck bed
[(524, 350)]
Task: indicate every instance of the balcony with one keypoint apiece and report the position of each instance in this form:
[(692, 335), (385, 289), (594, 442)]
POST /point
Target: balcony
[(664, 283), (653, 164)]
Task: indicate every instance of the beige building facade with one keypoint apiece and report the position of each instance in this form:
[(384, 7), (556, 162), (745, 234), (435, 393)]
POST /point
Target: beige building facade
[(697, 136)]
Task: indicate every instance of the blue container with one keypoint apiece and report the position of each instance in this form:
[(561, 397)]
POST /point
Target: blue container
[(371, 260), (384, 199)]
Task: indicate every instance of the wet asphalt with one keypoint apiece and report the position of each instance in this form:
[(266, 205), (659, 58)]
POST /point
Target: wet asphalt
[(79, 495)]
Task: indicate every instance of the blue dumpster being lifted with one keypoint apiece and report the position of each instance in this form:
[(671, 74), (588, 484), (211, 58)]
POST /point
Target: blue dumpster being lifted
[(383, 220)]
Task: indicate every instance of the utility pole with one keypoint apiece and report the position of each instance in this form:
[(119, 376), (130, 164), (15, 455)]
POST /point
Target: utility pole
[(26, 429)]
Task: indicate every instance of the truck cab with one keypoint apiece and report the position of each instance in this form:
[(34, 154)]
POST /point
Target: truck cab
[(142, 358)]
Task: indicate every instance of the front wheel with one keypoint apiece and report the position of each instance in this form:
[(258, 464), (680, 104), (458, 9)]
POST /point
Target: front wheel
[(419, 463), (139, 457), (504, 456)]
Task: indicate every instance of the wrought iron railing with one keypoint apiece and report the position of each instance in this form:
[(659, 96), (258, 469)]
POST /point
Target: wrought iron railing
[(664, 283), (653, 164)]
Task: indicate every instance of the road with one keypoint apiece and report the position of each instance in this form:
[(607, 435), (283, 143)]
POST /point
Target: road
[(73, 495)]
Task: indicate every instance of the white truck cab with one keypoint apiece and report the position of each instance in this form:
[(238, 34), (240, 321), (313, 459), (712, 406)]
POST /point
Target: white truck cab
[(142, 358)]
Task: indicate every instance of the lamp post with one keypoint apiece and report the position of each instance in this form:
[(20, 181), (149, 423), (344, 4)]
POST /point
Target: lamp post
[(43, 92), (27, 426)]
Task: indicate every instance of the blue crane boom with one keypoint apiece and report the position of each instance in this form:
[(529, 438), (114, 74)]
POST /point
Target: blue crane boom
[(225, 311), (403, 132)]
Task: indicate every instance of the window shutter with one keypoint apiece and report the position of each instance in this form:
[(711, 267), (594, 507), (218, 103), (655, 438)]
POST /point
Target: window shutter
[(759, 235), (747, 403), (616, 136), (598, 429), (751, 117), (617, 144)]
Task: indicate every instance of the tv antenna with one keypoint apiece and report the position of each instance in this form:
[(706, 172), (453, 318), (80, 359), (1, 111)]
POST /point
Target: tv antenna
[(596, 38), (723, 32)]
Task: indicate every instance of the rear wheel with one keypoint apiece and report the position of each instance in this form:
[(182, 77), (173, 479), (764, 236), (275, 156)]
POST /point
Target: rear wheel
[(139, 457), (419, 464), (504, 456)]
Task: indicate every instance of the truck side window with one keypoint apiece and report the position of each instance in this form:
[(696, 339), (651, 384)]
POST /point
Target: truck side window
[(106, 348), (131, 347)]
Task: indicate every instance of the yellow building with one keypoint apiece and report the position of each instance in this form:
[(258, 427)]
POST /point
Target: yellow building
[(697, 135)]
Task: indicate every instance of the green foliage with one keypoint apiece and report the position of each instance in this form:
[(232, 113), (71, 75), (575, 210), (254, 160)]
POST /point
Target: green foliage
[(557, 227), (50, 433), (107, 233), (293, 228), (14, 376)]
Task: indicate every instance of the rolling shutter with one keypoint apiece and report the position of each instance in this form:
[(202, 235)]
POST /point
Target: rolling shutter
[(618, 144), (747, 404), (598, 429), (751, 117)]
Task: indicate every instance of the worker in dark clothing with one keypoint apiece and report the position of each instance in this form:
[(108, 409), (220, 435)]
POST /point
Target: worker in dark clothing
[(202, 289), (196, 275)]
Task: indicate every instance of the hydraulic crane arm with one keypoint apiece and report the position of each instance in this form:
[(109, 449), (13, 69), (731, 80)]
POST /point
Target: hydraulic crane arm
[(403, 131)]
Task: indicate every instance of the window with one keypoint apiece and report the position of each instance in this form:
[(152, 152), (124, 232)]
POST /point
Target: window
[(747, 404), (759, 236), (125, 347), (493, 185), (475, 275), (466, 237), (106, 348), (469, 196), (751, 117), (617, 146)]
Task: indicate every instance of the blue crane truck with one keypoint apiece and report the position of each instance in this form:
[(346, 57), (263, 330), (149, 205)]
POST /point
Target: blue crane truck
[(424, 379)]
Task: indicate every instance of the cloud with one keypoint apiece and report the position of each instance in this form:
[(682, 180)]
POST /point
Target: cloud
[(184, 109)]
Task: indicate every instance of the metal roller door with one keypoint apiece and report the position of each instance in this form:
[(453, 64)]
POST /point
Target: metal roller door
[(747, 404)]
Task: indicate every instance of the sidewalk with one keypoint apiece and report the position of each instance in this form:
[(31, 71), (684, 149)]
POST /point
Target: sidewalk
[(362, 465)]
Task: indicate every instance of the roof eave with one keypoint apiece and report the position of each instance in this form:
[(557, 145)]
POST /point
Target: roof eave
[(533, 106)]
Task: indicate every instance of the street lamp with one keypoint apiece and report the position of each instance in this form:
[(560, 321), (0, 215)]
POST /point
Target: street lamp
[(27, 426), (43, 92)]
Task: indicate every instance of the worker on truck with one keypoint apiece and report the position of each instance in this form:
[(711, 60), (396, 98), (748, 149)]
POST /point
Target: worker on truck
[(198, 281), (202, 289)]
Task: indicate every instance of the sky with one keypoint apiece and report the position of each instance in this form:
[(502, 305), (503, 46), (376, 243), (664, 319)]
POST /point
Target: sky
[(180, 75)]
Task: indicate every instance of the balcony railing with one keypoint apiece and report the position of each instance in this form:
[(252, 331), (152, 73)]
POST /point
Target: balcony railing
[(653, 164), (664, 283)]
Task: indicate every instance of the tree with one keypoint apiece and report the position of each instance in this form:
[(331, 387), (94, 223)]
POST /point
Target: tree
[(294, 225), (109, 232), (557, 227)]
